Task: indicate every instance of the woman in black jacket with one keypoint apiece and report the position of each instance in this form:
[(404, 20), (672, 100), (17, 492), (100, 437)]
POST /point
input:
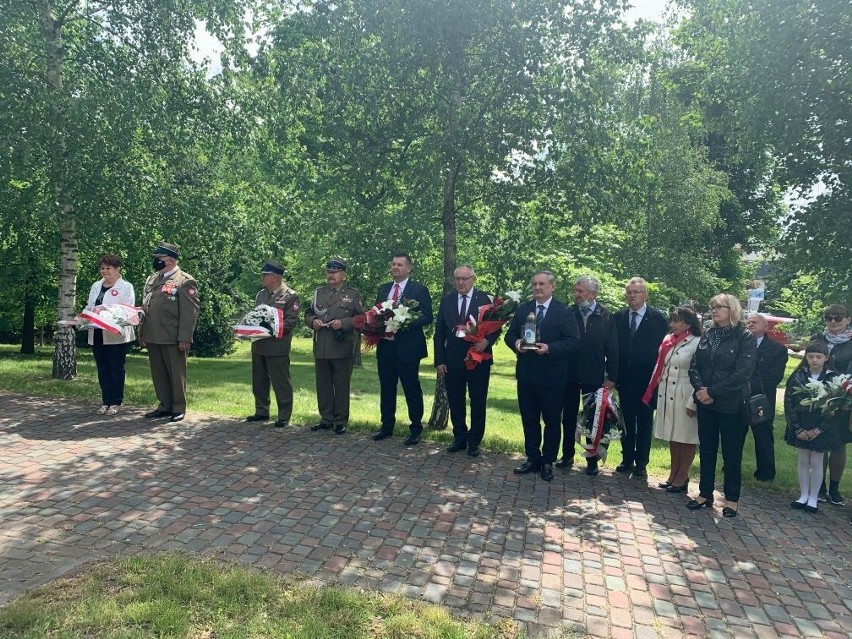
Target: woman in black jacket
[(720, 371)]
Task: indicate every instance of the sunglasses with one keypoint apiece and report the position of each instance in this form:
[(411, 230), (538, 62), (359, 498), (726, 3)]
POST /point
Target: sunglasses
[(834, 318)]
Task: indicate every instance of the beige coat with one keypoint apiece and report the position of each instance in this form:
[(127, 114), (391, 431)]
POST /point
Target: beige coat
[(674, 396)]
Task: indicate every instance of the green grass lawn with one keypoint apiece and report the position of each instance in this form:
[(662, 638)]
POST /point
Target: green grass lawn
[(223, 386), (176, 596)]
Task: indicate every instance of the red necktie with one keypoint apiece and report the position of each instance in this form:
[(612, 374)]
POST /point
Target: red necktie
[(395, 297)]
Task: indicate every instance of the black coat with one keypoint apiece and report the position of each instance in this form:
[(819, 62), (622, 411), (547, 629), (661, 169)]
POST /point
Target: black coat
[(725, 373), (598, 352), (769, 367), (448, 348), (559, 331), (840, 358), (638, 354), (801, 418), (409, 345)]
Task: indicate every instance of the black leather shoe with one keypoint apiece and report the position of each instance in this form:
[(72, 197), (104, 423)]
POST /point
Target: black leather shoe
[(177, 417), (728, 512), (811, 509), (340, 429), (546, 472), (565, 462), (320, 426), (257, 418), (677, 489), (664, 484), (412, 440), (640, 473), (624, 467), (281, 423), (382, 434), (456, 447), (473, 451), (797, 505), (527, 467), (592, 468), (694, 504), (154, 414)]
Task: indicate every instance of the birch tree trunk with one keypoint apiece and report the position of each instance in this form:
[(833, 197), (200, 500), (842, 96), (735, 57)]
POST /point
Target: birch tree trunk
[(64, 354)]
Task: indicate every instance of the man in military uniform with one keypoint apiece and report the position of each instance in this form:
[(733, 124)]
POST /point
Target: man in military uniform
[(170, 302), (270, 357), (330, 316)]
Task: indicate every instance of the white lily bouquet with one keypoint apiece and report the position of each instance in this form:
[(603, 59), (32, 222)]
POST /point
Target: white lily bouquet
[(830, 396), (261, 322)]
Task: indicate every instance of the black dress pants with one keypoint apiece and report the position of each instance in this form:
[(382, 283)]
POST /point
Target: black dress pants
[(541, 404), (392, 370), (110, 360), (638, 427), (730, 429), (475, 381), (764, 447), (570, 410)]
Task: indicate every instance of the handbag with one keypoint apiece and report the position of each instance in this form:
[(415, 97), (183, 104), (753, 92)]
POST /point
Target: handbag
[(758, 408)]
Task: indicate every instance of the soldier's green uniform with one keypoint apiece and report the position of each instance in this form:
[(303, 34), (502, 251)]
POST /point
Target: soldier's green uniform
[(334, 349), (270, 357), (171, 305)]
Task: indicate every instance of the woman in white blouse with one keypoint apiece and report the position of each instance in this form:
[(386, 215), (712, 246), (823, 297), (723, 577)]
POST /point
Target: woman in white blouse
[(109, 349)]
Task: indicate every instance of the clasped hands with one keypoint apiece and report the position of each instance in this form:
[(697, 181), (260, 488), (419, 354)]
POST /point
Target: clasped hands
[(334, 325), (703, 396)]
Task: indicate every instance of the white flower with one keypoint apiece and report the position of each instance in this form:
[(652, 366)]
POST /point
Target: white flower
[(392, 326), (515, 296), (817, 389), (386, 305), (401, 313)]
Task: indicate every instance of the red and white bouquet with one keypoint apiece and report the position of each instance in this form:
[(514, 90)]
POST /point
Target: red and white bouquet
[(599, 423), (260, 322), (490, 319), (109, 317), (385, 320)]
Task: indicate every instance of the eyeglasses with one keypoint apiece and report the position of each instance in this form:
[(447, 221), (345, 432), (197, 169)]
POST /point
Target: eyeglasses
[(716, 308), (835, 318), (632, 293), (464, 279)]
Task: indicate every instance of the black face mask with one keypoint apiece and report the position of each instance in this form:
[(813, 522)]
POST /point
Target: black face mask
[(158, 264)]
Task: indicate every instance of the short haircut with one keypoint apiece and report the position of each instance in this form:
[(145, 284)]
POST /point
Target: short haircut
[(110, 259), (733, 304), (688, 316), (591, 283), (836, 309), (761, 317), (469, 268), (551, 278), (638, 280), (406, 256)]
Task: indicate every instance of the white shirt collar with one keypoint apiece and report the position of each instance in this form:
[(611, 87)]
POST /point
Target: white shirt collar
[(402, 286), (170, 273)]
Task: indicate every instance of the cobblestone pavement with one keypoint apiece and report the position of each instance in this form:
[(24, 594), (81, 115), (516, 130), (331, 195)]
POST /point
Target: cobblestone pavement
[(600, 557)]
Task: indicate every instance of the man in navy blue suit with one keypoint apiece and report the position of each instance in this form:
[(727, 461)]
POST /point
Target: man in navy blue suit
[(399, 359), (450, 353), (640, 330), (542, 372)]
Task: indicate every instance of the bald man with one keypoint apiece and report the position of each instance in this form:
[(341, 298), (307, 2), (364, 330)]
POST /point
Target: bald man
[(769, 367)]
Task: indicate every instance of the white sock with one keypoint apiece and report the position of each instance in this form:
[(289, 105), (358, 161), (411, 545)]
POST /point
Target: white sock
[(816, 476), (804, 474)]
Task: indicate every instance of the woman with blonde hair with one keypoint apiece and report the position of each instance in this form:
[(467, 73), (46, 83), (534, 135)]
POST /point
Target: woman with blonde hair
[(720, 372)]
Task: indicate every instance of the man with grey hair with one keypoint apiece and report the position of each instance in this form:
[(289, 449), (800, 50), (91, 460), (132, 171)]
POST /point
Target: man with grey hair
[(541, 371), (769, 366), (450, 351), (640, 329), (594, 365)]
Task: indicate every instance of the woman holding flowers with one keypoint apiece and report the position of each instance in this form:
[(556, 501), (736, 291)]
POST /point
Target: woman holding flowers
[(110, 350), (837, 337), (809, 429)]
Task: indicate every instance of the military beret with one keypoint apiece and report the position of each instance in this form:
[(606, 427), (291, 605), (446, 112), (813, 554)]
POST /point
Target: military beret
[(164, 248), (335, 264), (273, 267)]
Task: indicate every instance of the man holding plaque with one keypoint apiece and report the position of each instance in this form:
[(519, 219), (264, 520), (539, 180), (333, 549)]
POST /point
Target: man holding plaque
[(543, 333)]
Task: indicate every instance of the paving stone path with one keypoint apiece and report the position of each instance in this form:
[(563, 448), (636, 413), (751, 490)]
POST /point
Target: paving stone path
[(600, 557)]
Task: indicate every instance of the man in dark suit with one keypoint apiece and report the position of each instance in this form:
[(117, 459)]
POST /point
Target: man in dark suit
[(640, 331), (399, 359), (594, 365), (450, 353), (771, 361), (542, 371)]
